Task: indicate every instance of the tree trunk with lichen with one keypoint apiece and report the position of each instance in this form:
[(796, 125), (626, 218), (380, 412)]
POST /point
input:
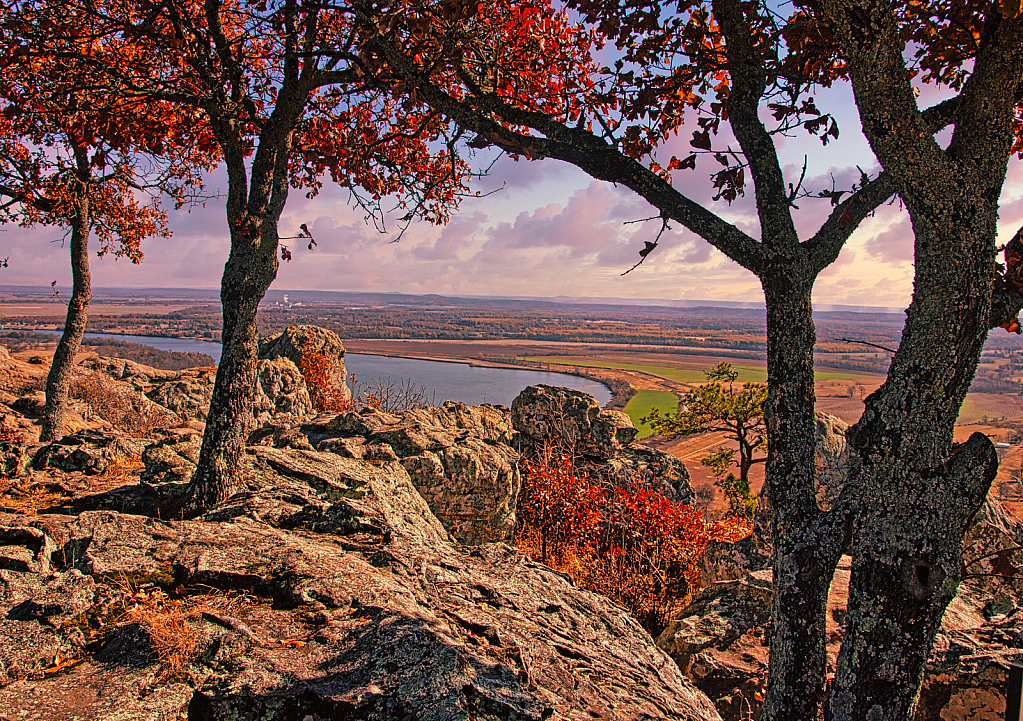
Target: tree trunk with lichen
[(913, 490), (916, 490), (58, 380), (250, 269)]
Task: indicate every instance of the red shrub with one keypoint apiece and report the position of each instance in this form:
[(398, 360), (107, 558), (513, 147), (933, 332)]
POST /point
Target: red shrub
[(632, 543), (325, 397)]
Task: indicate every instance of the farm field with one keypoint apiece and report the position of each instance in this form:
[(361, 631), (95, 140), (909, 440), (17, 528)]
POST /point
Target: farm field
[(643, 402)]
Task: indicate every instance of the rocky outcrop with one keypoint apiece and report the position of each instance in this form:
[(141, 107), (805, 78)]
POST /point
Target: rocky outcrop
[(187, 393), (459, 458), (87, 452), (463, 460), (170, 463), (355, 605), (571, 422), (320, 346)]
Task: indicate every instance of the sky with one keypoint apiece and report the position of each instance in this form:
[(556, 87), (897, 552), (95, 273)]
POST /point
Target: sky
[(544, 229)]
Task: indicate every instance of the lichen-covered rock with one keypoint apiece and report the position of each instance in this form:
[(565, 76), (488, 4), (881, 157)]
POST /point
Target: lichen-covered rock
[(458, 457), (35, 611), (27, 549), (138, 374), (281, 391), (87, 452), (14, 459), (170, 463), (187, 392), (299, 341), (361, 607), (610, 433), (719, 642), (558, 418), (601, 442), (831, 458)]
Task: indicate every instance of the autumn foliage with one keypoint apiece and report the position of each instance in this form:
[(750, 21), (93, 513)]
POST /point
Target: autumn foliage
[(325, 396), (630, 543)]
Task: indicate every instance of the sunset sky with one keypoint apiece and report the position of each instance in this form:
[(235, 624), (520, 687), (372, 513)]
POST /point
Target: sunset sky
[(549, 231)]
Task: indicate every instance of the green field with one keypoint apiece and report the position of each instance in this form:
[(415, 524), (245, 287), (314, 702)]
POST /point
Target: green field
[(683, 375), (641, 404), (750, 374)]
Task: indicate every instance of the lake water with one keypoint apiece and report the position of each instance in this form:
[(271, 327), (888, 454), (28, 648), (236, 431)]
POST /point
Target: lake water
[(442, 381)]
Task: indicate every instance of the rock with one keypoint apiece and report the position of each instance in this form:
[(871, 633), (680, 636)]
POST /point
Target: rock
[(23, 548), (831, 457), (361, 608), (557, 418), (719, 642), (610, 433), (281, 391), (139, 375), (187, 393), (601, 442), (458, 456), (87, 452), (14, 459), (31, 404), (170, 463), (312, 343)]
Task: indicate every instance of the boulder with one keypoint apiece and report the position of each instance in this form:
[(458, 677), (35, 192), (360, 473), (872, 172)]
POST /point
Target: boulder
[(356, 605), (170, 463), (119, 369), (320, 346), (459, 458), (14, 458), (557, 418), (187, 393), (281, 391), (601, 442), (87, 452), (831, 457)]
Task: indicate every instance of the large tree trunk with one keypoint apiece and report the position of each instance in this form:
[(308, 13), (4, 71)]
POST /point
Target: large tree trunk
[(58, 380), (912, 490), (916, 490), (805, 554), (250, 269)]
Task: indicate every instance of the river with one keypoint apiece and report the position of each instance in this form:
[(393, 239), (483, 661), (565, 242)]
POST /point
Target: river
[(441, 380)]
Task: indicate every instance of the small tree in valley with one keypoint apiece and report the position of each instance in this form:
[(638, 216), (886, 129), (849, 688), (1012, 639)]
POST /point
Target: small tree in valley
[(719, 407)]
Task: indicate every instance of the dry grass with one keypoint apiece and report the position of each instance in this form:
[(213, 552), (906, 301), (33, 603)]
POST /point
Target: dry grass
[(124, 469), (168, 621), (24, 496), (124, 408)]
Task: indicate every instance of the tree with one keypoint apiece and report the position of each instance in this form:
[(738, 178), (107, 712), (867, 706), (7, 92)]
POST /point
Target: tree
[(716, 407), (73, 157), (731, 63), (279, 87)]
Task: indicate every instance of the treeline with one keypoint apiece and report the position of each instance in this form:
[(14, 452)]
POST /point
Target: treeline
[(162, 359), (168, 360)]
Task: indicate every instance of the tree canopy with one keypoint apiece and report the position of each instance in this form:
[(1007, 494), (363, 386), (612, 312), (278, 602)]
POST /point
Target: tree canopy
[(82, 158)]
